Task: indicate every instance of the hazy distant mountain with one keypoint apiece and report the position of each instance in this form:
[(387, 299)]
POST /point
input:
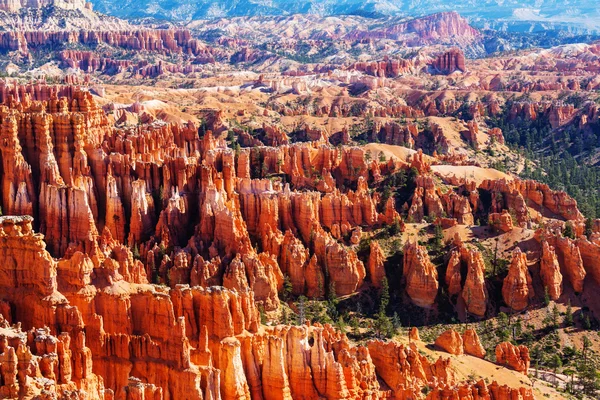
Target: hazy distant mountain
[(580, 12)]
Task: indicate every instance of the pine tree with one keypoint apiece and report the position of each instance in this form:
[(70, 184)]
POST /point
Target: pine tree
[(384, 296), (341, 324), (556, 362), (383, 324), (589, 227), (546, 296), (396, 321), (569, 314), (503, 327), (588, 375), (286, 292), (589, 381), (355, 326), (136, 252), (568, 231), (263, 315), (586, 323), (331, 294), (586, 346), (555, 315)]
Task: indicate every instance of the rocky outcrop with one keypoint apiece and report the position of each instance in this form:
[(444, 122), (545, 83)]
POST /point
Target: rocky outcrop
[(411, 368), (437, 26), (451, 342), (164, 41), (472, 344), (386, 68), (496, 135), (572, 262), (517, 288), (449, 62), (474, 291), (429, 200), (217, 235), (343, 267), (514, 357), (590, 251), (560, 114), (517, 195), (35, 363), (501, 221), (470, 135), (414, 334), (376, 267), (420, 275), (18, 194), (453, 277), (550, 271)]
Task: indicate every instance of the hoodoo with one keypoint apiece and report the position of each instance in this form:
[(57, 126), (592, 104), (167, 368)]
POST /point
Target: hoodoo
[(277, 201)]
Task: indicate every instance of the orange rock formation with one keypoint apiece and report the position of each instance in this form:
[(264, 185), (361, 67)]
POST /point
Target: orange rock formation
[(451, 342), (175, 312), (420, 275), (550, 271), (517, 288), (514, 357), (472, 345)]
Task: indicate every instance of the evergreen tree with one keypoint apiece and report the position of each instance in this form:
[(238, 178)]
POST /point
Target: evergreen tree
[(396, 321), (546, 296), (588, 375), (589, 380), (341, 324), (555, 362), (332, 301), (589, 227), (586, 323), (569, 315), (384, 296), (555, 315), (263, 315), (503, 327), (383, 324), (586, 347), (568, 231), (286, 292), (355, 326), (136, 252)]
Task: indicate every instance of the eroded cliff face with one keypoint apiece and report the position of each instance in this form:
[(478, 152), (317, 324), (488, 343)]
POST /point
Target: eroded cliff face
[(449, 62), (420, 275), (517, 288), (166, 41), (184, 342), (158, 247), (37, 364), (515, 357), (550, 271)]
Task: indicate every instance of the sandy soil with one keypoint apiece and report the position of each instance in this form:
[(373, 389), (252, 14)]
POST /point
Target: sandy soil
[(469, 367), (389, 150), (477, 174)]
